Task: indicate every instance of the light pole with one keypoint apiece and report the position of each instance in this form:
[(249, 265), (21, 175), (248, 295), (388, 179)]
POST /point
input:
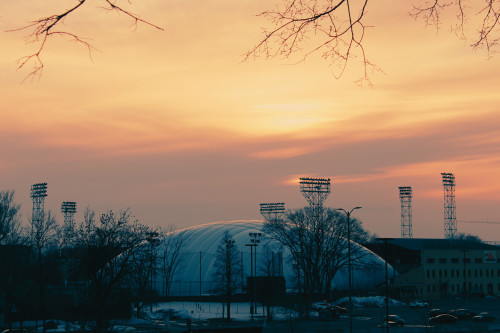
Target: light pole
[(348, 214), (229, 246), (254, 242), (386, 282)]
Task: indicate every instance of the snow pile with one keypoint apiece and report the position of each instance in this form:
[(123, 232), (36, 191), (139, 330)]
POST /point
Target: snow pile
[(368, 302)]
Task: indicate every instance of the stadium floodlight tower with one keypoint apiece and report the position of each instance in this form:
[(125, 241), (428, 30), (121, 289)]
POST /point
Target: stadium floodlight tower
[(450, 216), (405, 197), (38, 194), (68, 208), (315, 190), (272, 212)]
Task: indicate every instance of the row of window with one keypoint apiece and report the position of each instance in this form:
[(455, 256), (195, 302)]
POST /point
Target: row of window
[(456, 287), (456, 273), (455, 260)]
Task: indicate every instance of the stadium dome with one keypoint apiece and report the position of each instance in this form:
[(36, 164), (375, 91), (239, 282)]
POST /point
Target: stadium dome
[(196, 271)]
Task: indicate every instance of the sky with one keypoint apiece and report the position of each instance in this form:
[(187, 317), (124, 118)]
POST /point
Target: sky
[(174, 125)]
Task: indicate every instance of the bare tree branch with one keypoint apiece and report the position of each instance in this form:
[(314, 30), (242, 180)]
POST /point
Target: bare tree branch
[(44, 28), (486, 33), (333, 28)]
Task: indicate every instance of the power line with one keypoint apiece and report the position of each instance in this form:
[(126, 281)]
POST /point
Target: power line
[(477, 221)]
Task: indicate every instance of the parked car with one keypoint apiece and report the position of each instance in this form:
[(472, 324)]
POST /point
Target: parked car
[(340, 309), (436, 312), (443, 318), (483, 317), (396, 319), (463, 314), (318, 306), (390, 323), (418, 304)]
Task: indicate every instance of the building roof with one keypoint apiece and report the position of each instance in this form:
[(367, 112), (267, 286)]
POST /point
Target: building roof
[(418, 244)]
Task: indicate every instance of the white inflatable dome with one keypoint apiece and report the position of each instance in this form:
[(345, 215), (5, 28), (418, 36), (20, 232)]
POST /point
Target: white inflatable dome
[(193, 279)]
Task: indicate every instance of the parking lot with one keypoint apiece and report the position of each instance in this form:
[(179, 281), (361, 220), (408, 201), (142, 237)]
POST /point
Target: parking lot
[(367, 320)]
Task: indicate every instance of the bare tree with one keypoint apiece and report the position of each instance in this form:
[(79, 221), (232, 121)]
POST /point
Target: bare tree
[(317, 242), (41, 29), (228, 265), (9, 218), (170, 255), (43, 237), (107, 248)]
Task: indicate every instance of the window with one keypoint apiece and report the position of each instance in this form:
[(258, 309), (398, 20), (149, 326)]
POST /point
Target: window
[(498, 287), (440, 273), (467, 260), (442, 260), (430, 260), (458, 287), (433, 288), (487, 273), (475, 272), (452, 273), (452, 287), (478, 260), (428, 274), (445, 273), (454, 260), (433, 273), (429, 288), (468, 272), (458, 273), (481, 273)]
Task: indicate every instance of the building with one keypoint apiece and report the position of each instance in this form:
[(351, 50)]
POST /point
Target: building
[(442, 268)]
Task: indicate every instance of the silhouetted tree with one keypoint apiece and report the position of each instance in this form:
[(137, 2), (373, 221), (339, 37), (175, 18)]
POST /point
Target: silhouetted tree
[(317, 242), (107, 249), (170, 255), (228, 265), (42, 234), (9, 218)]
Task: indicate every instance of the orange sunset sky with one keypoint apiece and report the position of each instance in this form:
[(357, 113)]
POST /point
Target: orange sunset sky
[(175, 126)]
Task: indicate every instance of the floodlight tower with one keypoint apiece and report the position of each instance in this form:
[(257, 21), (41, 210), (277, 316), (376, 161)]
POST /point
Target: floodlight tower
[(68, 208), (450, 216), (272, 212), (38, 194), (315, 190), (405, 197)]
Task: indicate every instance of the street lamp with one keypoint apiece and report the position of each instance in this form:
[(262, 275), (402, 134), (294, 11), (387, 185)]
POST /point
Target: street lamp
[(348, 214), (254, 242), (229, 246), (386, 282)]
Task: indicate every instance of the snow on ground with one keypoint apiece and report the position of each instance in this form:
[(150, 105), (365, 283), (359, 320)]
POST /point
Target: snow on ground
[(369, 302), (209, 310)]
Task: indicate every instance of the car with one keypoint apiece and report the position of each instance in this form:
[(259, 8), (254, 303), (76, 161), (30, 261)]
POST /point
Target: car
[(388, 323), (435, 312), (396, 319), (463, 314), (443, 318), (340, 309), (484, 317), (418, 304), (318, 306)]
